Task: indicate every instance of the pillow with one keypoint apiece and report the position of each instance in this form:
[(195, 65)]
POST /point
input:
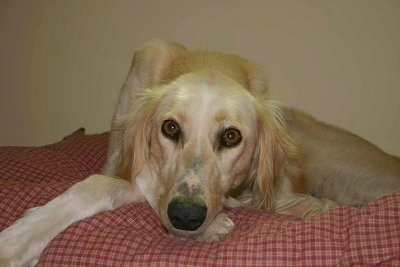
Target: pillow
[(31, 176), (133, 236)]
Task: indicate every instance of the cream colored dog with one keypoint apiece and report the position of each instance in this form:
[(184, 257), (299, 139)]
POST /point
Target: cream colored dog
[(195, 132)]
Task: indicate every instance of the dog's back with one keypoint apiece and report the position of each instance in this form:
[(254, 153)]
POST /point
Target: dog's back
[(340, 165)]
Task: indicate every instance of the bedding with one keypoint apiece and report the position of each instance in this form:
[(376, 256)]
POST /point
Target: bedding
[(133, 236)]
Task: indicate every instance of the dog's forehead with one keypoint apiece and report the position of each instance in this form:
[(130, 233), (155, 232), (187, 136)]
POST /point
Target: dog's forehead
[(209, 94)]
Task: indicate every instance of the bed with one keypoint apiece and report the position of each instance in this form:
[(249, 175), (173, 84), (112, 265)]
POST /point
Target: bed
[(133, 236)]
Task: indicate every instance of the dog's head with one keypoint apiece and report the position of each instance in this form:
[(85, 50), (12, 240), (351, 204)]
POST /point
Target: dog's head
[(200, 129)]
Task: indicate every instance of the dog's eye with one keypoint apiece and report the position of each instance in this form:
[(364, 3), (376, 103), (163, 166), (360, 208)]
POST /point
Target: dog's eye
[(170, 129), (230, 138)]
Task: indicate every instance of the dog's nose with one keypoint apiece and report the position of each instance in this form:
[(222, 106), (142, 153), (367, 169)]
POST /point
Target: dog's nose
[(187, 214)]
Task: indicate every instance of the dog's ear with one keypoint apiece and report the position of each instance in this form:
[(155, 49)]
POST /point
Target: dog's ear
[(149, 68), (274, 154), (138, 130)]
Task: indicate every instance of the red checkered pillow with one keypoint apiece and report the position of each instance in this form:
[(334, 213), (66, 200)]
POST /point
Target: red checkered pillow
[(132, 235)]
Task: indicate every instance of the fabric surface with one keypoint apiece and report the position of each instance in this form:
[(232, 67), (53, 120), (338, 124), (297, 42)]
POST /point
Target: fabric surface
[(133, 236)]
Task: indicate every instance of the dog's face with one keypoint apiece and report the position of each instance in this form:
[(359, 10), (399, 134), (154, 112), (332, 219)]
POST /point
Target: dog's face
[(200, 127), (202, 138), (201, 148)]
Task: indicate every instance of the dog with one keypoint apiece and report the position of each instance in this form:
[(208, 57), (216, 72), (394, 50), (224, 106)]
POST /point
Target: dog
[(195, 132)]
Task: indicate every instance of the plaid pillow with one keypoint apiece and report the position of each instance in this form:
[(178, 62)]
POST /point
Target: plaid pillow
[(133, 236)]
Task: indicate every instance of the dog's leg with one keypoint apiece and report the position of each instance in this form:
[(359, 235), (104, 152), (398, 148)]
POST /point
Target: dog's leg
[(127, 92), (340, 165), (22, 243)]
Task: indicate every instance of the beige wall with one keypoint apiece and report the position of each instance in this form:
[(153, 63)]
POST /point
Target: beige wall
[(63, 61)]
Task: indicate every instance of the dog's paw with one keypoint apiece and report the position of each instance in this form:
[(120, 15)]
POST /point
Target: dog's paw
[(14, 254), (218, 229), (8, 262), (22, 242)]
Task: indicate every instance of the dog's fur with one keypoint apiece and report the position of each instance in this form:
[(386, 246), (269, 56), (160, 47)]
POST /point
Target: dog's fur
[(195, 132)]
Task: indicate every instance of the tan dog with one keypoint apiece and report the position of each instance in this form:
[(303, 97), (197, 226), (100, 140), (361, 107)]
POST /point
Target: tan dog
[(195, 132)]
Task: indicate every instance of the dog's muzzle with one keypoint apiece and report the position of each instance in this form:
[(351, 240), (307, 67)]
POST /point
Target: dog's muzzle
[(187, 213)]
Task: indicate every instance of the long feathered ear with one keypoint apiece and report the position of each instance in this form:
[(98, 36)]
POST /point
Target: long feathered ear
[(273, 157), (150, 67), (136, 139)]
